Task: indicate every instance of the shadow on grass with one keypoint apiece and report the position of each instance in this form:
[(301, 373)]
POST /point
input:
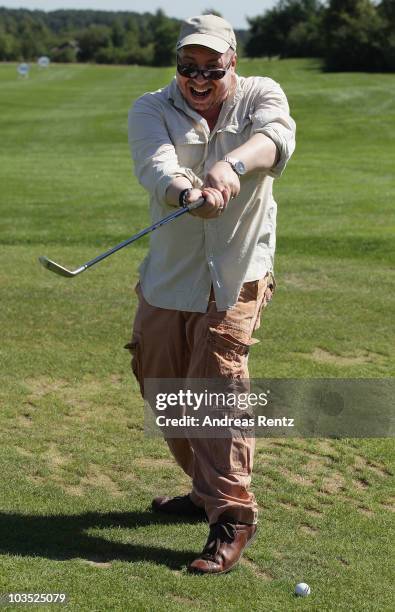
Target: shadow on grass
[(62, 537)]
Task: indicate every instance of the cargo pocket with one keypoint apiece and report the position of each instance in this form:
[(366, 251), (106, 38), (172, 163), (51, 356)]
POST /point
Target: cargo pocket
[(227, 354), (231, 455), (249, 291), (271, 287), (134, 347), (266, 298)]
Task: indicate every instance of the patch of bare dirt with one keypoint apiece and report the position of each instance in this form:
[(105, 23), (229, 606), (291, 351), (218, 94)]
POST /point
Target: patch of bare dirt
[(97, 478), (308, 529), (343, 561), (323, 498), (288, 505), (54, 458), (317, 465), (36, 480), (360, 463), (76, 490), (257, 571), (100, 564), (150, 462), (79, 396), (25, 420), (361, 484), (365, 511), (325, 447), (94, 477), (324, 356), (278, 555), (333, 484), (301, 479), (23, 451), (183, 600), (389, 505), (129, 477), (315, 512), (305, 282), (116, 379), (43, 385)]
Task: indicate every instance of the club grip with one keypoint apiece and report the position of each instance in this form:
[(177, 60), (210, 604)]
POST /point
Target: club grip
[(196, 204)]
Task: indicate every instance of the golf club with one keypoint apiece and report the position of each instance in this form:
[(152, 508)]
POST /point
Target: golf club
[(58, 269)]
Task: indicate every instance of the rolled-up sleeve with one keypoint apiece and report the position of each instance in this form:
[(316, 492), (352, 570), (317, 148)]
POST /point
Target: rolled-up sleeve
[(155, 160), (271, 117)]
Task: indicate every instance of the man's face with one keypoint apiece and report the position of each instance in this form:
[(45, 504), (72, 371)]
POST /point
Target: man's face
[(205, 94)]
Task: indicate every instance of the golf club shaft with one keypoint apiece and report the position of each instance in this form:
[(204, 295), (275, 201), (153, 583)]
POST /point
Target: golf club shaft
[(178, 213)]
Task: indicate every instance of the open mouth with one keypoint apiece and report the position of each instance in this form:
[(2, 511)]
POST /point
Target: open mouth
[(196, 93)]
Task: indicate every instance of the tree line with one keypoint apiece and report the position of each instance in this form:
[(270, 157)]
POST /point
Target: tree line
[(103, 37), (346, 34)]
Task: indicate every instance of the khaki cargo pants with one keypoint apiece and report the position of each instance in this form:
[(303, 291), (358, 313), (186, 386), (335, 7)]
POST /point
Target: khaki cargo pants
[(175, 344)]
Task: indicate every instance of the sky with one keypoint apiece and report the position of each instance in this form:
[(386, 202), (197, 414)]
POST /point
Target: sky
[(234, 11)]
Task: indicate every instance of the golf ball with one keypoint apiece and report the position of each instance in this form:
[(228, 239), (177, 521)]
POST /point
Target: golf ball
[(302, 589)]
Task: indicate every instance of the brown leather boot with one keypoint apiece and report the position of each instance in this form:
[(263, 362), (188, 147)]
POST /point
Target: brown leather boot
[(225, 545), (181, 505)]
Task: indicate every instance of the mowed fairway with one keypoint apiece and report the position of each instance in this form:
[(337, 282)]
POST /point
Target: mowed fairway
[(77, 473)]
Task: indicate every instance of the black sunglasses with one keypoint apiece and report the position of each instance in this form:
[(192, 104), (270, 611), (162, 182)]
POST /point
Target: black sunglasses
[(214, 74)]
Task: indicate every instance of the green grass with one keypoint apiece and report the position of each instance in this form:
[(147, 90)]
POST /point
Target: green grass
[(77, 472)]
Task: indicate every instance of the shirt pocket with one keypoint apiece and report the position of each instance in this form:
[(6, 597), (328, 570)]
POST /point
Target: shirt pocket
[(190, 148), (236, 132)]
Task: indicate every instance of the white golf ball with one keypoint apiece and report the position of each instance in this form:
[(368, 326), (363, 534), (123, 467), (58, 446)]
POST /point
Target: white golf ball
[(302, 589)]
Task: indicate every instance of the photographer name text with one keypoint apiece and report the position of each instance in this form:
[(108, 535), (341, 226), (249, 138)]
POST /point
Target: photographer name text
[(226, 421)]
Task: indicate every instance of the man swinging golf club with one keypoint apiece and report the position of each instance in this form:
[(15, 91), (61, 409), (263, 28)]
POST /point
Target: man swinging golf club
[(213, 134)]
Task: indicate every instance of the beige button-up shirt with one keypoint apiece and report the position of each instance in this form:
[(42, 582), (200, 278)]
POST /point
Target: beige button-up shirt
[(168, 139)]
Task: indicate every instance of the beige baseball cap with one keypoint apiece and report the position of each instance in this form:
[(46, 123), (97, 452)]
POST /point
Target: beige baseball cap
[(207, 31)]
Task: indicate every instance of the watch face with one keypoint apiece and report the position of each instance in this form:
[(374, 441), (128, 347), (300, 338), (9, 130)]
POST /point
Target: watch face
[(240, 167)]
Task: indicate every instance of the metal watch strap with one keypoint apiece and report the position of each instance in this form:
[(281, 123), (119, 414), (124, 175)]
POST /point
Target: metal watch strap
[(232, 163)]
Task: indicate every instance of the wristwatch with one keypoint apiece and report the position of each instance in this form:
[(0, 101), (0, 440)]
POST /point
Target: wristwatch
[(236, 164)]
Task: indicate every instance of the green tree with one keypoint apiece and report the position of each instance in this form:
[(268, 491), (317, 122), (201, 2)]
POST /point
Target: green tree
[(118, 33), (10, 49), (290, 29), (91, 40), (64, 54), (266, 39), (101, 36), (305, 39), (386, 9), (356, 37), (165, 39), (34, 37), (140, 55)]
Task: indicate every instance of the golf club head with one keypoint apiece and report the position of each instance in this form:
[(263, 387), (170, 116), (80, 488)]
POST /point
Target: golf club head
[(61, 271), (54, 267)]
